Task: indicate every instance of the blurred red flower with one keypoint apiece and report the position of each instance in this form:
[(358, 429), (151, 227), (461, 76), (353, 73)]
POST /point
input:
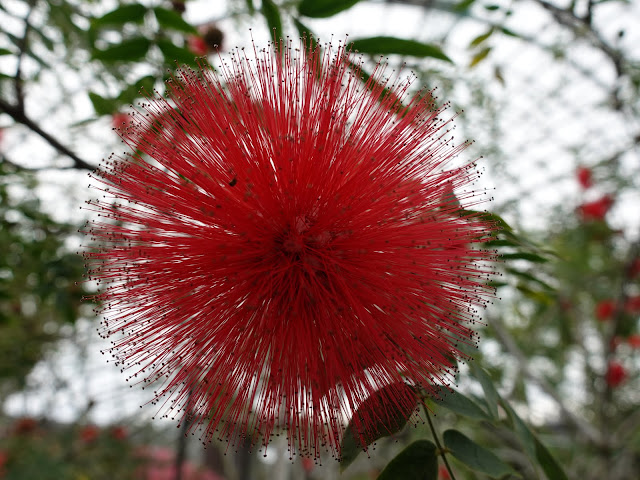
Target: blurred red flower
[(634, 340), (597, 209), (119, 433), (120, 120), (616, 374), (24, 426), (290, 248), (604, 310), (89, 433), (584, 177), (632, 305), (634, 271), (197, 45), (443, 473)]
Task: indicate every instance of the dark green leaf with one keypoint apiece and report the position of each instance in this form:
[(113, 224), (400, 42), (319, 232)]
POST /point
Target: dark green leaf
[(272, 15), (126, 13), (508, 32), (458, 403), (529, 277), (389, 419), (250, 6), (480, 56), (127, 51), (173, 53), (490, 392), (172, 20), (392, 45), (551, 467), (474, 456), (492, 8), (102, 105), (532, 257), (463, 5), (481, 38), (534, 447), (129, 94), (4, 51), (416, 462), (500, 243), (324, 8)]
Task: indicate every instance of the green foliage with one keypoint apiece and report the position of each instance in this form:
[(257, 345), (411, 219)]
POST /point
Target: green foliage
[(324, 8), (474, 456), (418, 461), (272, 15), (38, 290), (399, 46)]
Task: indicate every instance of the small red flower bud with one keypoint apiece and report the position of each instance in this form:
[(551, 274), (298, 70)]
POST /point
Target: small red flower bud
[(616, 374), (604, 310), (584, 177)]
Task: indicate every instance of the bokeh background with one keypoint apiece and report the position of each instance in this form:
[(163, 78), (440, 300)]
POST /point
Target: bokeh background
[(548, 90)]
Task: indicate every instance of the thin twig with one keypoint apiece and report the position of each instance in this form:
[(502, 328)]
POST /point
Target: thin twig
[(441, 449), (15, 112)]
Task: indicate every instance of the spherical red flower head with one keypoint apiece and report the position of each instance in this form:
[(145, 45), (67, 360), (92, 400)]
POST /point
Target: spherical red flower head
[(24, 426), (604, 310), (597, 209), (291, 248), (119, 433), (584, 176), (616, 374)]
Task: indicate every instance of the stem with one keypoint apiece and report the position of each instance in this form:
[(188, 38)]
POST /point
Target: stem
[(441, 449)]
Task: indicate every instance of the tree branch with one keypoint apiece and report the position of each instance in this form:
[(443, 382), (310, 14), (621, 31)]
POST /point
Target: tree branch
[(19, 116)]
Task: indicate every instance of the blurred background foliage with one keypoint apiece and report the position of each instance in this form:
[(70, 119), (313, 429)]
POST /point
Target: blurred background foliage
[(550, 92)]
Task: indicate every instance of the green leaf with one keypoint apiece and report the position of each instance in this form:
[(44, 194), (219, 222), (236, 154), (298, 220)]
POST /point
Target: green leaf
[(474, 456), (528, 276), (416, 462), (129, 94), (272, 15), (324, 8), (508, 32), (250, 7), (172, 20), (481, 38), (102, 105), (392, 45), (172, 53), (463, 6), (126, 13), (532, 257), (389, 418), (127, 51), (490, 392), (458, 403), (534, 447), (551, 467), (480, 56), (4, 51)]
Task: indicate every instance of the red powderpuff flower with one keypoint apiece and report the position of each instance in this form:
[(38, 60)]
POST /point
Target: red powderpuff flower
[(584, 176), (597, 209), (291, 248), (616, 374), (604, 310)]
